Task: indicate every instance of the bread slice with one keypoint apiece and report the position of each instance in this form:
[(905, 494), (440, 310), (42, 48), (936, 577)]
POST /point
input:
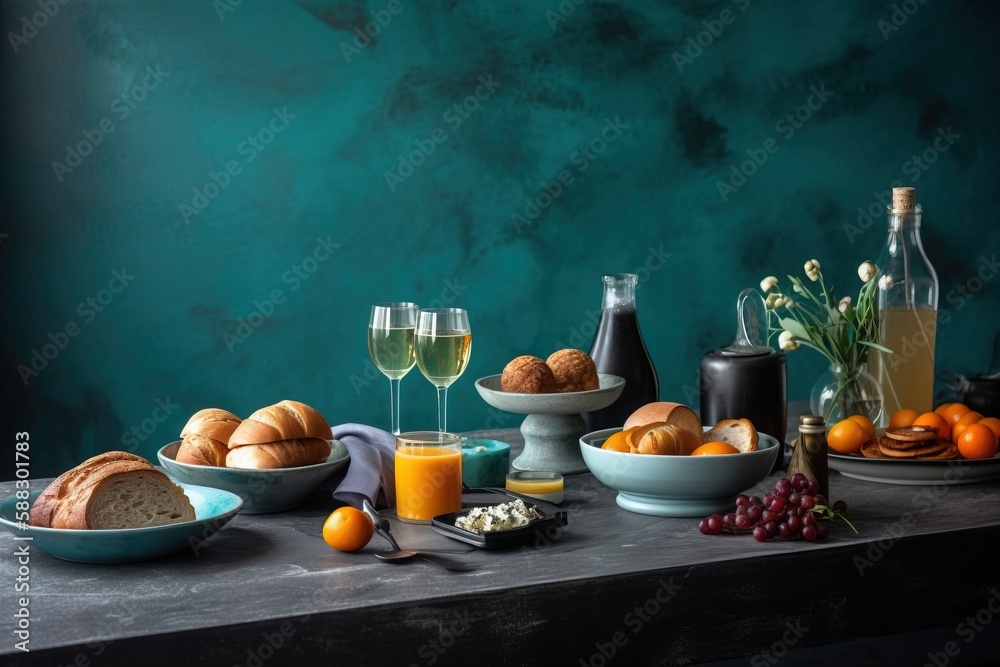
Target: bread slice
[(740, 433), (137, 499), (283, 454), (69, 501)]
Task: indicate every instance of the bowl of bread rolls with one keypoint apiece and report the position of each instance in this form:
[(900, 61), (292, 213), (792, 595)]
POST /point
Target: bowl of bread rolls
[(664, 462), (273, 459)]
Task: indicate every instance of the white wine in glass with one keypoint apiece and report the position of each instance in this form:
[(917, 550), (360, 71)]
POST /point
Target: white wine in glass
[(390, 343), (443, 345)]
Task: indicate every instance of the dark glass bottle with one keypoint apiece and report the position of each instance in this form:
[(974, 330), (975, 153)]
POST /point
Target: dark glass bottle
[(619, 349)]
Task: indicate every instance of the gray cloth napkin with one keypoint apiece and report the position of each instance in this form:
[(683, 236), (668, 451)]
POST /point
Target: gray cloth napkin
[(371, 472)]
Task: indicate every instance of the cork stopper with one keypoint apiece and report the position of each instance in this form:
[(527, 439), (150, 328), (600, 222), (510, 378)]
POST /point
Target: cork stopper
[(904, 199)]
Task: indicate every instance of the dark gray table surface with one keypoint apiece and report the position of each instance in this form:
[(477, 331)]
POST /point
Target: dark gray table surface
[(651, 588)]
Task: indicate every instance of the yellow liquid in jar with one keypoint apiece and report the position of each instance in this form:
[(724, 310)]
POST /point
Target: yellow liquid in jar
[(906, 375)]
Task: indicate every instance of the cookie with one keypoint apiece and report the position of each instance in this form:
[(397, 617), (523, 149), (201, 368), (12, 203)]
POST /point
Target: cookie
[(913, 434)]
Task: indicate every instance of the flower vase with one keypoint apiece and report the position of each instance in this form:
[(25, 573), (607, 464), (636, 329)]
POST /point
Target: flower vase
[(842, 392)]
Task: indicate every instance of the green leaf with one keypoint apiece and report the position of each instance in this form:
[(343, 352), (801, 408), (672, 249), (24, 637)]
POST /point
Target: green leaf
[(794, 327)]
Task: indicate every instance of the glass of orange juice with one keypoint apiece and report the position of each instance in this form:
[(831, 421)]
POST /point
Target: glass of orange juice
[(428, 475)]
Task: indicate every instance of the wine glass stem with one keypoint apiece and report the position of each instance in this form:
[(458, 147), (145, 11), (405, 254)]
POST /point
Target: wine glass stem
[(394, 404), (442, 408)]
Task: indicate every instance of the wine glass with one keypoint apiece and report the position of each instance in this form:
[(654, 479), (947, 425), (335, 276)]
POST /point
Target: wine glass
[(443, 346), (390, 342)]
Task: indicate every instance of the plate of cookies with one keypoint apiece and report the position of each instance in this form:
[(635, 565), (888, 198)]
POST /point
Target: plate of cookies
[(913, 455)]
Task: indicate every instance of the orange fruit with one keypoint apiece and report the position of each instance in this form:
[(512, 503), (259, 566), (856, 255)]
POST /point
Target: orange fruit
[(954, 412), (348, 529), (977, 442), (904, 417), (866, 424), (993, 423), (934, 420), (618, 442), (847, 437), (714, 447), (941, 408), (967, 420)]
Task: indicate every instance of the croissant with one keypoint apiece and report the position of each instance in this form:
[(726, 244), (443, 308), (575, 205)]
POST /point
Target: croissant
[(287, 420), (111, 490), (282, 454), (206, 437)]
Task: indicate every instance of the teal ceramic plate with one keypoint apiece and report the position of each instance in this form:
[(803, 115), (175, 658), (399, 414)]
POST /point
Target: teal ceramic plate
[(262, 491), (213, 508), (679, 486)]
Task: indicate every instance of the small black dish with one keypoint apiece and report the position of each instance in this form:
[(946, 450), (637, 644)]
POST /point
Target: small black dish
[(552, 517)]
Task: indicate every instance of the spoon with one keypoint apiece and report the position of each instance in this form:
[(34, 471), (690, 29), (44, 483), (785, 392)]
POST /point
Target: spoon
[(400, 555)]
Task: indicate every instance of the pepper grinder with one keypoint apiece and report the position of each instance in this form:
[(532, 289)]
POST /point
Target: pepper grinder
[(748, 379)]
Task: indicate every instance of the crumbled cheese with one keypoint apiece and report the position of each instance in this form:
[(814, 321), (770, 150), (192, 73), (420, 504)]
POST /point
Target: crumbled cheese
[(498, 517)]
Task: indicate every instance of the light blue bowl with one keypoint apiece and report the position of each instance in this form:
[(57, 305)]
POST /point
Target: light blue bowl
[(263, 491), (213, 509), (679, 486)]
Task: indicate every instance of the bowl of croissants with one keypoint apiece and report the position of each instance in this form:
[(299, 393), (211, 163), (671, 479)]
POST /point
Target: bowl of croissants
[(273, 459)]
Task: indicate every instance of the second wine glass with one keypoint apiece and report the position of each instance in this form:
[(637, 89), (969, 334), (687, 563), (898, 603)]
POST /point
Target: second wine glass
[(443, 344), (390, 343)]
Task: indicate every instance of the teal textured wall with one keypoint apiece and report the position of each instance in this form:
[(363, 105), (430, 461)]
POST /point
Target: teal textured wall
[(232, 158)]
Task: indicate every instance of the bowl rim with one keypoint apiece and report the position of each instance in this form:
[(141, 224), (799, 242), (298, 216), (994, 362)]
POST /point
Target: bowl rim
[(161, 454), (770, 440), (616, 380)]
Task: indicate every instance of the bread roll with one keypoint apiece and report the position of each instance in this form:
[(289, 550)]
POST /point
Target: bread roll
[(668, 413), (573, 370), (528, 375), (287, 420), (206, 437), (740, 433), (111, 490), (282, 454)]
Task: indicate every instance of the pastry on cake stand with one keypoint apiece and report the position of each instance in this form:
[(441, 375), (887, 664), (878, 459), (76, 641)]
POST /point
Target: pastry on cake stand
[(553, 426)]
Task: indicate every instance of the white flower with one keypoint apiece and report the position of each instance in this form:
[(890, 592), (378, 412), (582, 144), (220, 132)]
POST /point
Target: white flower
[(772, 301), (866, 271), (844, 304), (788, 303), (798, 289), (812, 270), (886, 282), (768, 283), (786, 341)]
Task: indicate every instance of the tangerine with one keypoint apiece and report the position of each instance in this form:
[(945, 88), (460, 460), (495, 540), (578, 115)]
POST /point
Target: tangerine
[(714, 447), (348, 529), (954, 412), (618, 442), (847, 437), (903, 418), (866, 424), (934, 420), (977, 441), (941, 408), (967, 420), (993, 423)]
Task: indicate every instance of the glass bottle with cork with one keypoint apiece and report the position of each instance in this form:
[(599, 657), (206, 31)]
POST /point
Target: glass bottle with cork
[(908, 302), (809, 452)]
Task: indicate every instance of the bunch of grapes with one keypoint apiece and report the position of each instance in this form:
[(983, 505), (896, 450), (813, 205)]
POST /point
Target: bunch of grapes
[(790, 511)]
